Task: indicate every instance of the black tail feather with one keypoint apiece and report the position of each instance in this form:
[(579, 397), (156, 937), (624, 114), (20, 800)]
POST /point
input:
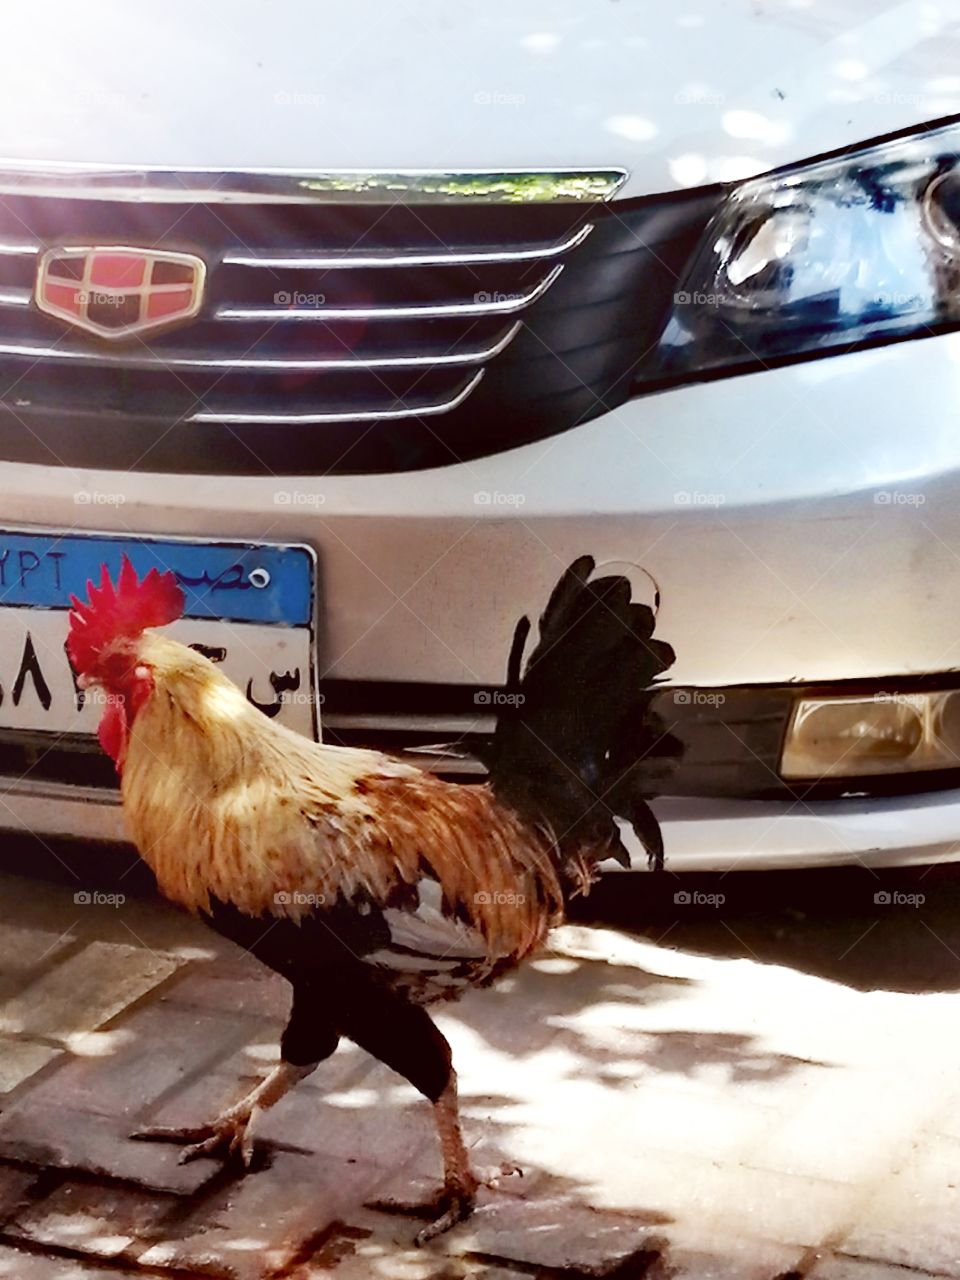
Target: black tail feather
[(514, 662), (578, 745)]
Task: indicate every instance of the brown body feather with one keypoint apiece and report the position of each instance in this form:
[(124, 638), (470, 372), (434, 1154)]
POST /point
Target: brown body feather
[(225, 804)]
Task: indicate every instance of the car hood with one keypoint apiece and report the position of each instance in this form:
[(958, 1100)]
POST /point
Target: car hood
[(677, 95)]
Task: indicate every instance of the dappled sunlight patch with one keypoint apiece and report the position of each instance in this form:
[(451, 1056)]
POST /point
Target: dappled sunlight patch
[(755, 127), (85, 1231), (633, 128), (262, 1054), (688, 170), (98, 1044), (541, 42), (554, 964), (360, 1098), (192, 953)]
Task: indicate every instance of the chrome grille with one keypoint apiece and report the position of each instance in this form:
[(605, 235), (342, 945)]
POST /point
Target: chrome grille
[(313, 313), (460, 314)]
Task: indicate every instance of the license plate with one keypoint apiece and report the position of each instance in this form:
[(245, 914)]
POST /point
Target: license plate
[(249, 607)]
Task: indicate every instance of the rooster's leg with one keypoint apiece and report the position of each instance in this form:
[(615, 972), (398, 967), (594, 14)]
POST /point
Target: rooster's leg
[(403, 1036), (459, 1180)]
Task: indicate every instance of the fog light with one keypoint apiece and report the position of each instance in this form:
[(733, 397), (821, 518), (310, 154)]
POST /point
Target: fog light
[(880, 733)]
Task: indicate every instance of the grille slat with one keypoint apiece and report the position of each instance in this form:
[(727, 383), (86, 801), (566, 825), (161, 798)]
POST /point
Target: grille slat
[(450, 258), (508, 304), (143, 359), (416, 409)]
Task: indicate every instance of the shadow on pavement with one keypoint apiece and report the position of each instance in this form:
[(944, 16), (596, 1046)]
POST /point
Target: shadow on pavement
[(891, 930)]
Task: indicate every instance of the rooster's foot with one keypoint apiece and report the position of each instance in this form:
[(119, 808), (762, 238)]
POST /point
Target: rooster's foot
[(455, 1206), (445, 1210), (452, 1204), (231, 1134)]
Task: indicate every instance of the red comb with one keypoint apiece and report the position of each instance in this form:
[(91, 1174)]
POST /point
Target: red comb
[(121, 611)]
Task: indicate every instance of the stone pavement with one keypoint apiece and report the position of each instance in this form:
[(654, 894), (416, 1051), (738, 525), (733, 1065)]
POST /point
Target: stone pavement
[(678, 1116)]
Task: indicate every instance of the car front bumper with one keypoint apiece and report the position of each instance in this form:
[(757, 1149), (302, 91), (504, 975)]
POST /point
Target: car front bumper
[(800, 524), (699, 835)]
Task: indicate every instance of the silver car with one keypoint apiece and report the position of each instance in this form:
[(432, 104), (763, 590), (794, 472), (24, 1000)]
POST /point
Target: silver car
[(368, 322)]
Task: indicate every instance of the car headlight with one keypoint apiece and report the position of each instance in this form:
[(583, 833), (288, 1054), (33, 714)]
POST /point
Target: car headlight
[(831, 254)]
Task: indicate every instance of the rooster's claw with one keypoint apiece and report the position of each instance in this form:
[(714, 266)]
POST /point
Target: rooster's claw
[(452, 1205), (459, 1207), (231, 1133), (161, 1133)]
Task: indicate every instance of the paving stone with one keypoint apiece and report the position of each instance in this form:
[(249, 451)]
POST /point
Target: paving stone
[(778, 1206), (21, 1059), (712, 1125), (23, 949), (153, 1051), (846, 1126), (758, 1204), (16, 1264), (62, 1139), (378, 1118), (914, 1219), (92, 1219), (252, 991), (853, 1269), (260, 1223), (85, 991), (720, 1257), (556, 1232), (14, 1185), (366, 1252)]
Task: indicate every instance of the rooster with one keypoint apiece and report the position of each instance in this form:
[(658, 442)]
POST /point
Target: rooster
[(372, 886)]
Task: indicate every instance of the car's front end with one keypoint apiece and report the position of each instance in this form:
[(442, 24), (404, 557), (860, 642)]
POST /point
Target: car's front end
[(677, 291)]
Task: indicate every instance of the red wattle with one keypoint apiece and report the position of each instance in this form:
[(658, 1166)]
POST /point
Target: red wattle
[(112, 731)]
